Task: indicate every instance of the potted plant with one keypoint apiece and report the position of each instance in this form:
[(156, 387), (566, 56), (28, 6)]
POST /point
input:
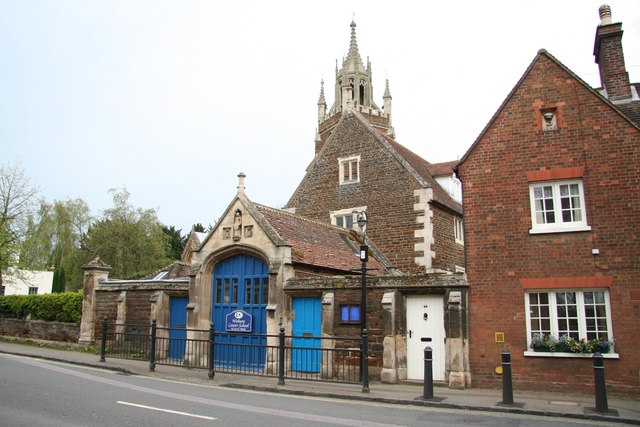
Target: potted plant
[(567, 344)]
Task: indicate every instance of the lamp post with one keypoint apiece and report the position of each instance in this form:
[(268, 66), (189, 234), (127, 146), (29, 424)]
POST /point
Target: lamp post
[(364, 257)]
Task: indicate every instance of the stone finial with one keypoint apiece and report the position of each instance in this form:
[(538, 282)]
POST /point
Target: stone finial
[(96, 264), (605, 14), (241, 177)]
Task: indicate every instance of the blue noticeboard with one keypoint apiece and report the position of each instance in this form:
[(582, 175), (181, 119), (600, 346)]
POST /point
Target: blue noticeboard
[(238, 321)]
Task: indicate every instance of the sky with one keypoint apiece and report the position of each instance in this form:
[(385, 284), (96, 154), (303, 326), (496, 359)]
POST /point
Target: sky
[(172, 99)]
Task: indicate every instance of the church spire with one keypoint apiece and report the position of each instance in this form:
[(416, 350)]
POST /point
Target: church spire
[(322, 103), (353, 54), (353, 90)]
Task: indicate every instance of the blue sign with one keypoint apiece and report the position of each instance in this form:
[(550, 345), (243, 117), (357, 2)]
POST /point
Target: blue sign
[(239, 321)]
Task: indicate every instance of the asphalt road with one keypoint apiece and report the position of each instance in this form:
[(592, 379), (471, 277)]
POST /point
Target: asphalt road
[(42, 393)]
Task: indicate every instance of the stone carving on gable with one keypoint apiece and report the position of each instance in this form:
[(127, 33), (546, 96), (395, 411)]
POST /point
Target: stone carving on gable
[(237, 225)]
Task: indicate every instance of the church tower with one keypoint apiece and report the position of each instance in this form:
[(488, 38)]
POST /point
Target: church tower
[(353, 90)]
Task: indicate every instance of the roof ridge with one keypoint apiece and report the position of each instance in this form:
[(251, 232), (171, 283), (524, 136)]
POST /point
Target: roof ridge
[(303, 218)]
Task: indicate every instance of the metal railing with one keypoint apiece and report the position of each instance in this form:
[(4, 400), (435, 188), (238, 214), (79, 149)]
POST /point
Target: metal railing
[(334, 359)]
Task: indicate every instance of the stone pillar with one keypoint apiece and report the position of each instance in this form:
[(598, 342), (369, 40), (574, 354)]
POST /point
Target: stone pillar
[(94, 272), (456, 344), (392, 352)]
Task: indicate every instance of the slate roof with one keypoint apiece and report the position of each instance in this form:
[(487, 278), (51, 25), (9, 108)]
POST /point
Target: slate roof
[(318, 244)]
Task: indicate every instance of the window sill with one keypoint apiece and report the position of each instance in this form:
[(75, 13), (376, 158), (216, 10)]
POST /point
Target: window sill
[(569, 355), (560, 230)]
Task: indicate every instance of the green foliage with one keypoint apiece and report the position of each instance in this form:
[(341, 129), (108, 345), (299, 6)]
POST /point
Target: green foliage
[(53, 239), (58, 281), (567, 344), (17, 199), (130, 240), (63, 307), (176, 242)]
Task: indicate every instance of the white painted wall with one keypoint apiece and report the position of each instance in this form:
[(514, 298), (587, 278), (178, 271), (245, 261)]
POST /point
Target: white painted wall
[(18, 282)]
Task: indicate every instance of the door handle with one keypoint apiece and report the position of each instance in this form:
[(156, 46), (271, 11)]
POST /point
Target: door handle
[(410, 333)]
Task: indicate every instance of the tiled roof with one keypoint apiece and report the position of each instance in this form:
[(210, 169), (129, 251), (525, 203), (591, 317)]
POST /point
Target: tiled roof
[(422, 167), (317, 244), (442, 169)]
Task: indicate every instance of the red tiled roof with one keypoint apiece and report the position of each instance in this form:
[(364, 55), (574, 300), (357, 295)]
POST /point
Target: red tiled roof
[(442, 169), (317, 244), (422, 167)]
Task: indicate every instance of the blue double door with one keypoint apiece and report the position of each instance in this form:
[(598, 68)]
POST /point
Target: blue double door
[(240, 285)]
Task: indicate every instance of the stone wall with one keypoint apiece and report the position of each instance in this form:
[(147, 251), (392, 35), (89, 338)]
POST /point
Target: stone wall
[(40, 330)]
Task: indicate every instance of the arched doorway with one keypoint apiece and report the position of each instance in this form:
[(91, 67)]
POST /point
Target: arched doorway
[(240, 287)]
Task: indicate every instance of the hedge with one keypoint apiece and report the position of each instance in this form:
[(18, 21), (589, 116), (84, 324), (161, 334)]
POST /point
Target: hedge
[(62, 307)]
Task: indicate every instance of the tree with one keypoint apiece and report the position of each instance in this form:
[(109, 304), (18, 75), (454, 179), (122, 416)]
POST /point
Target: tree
[(130, 240), (53, 238), (176, 242), (17, 200)]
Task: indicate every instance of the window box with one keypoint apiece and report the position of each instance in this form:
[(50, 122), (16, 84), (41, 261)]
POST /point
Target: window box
[(567, 344)]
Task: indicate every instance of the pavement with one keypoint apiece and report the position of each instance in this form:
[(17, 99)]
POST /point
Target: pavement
[(621, 410)]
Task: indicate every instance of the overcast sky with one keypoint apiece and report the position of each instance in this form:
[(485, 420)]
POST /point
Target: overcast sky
[(171, 99)]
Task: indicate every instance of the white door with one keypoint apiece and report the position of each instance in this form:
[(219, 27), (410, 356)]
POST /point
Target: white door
[(425, 319)]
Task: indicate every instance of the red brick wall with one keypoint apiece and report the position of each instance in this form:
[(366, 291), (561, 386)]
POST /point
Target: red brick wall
[(500, 249)]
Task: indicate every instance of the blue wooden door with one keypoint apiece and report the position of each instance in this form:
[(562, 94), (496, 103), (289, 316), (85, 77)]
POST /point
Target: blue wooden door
[(240, 282), (305, 355), (178, 327)]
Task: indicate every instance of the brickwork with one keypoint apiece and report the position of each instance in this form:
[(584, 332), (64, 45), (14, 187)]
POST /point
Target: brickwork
[(386, 188), (500, 250)]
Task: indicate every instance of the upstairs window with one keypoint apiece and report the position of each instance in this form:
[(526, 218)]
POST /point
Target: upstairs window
[(349, 169), (557, 207), (458, 230)]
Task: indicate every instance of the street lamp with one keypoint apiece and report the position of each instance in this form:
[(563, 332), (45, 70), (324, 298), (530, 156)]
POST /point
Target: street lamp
[(364, 257)]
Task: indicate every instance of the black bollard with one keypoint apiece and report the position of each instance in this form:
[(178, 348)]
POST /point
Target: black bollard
[(601, 389), (152, 352), (428, 373), (507, 385)]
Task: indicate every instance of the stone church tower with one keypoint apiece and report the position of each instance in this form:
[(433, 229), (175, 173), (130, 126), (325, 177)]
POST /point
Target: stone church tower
[(353, 89)]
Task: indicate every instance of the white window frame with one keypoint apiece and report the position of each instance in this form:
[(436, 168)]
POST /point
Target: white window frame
[(351, 166), (353, 212), (458, 230), (554, 329), (558, 226)]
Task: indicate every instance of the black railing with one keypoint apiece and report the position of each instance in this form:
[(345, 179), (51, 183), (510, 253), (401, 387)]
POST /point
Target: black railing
[(335, 359)]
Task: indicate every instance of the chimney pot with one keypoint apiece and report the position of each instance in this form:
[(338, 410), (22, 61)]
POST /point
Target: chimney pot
[(605, 14)]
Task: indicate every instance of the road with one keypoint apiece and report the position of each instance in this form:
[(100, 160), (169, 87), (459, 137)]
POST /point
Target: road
[(42, 393)]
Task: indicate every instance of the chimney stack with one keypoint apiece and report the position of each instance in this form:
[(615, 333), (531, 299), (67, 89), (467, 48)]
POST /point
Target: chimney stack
[(610, 57)]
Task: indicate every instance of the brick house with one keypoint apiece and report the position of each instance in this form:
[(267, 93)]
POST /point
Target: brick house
[(552, 213)]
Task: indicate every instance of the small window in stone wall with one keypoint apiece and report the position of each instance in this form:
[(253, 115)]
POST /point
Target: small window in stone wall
[(549, 119), (350, 313)]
